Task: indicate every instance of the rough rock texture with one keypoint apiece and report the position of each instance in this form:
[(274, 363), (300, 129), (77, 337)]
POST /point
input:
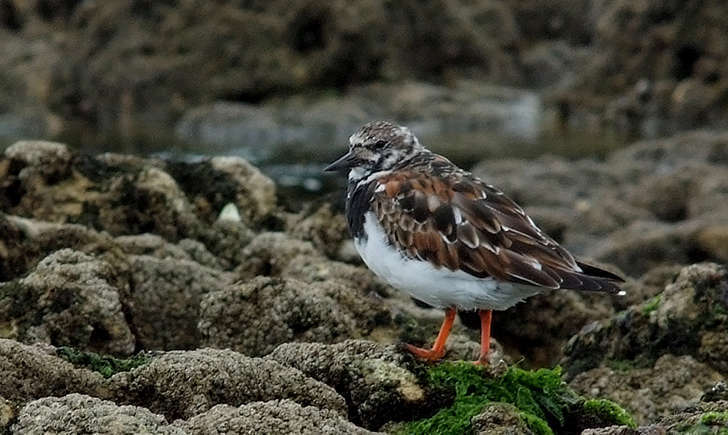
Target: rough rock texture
[(378, 382), (649, 393), (127, 195), (119, 254), (165, 300), (182, 384), (175, 59), (255, 317), (75, 301), (31, 372), (688, 318), (499, 419), (701, 417), (275, 416), (77, 413), (656, 67), (324, 228)]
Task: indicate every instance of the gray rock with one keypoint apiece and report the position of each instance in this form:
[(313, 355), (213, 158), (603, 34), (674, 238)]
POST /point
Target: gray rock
[(24, 242), (499, 419), (255, 317), (325, 229), (275, 416), (182, 384), (649, 393), (677, 84), (151, 201), (70, 299), (43, 161), (31, 372), (378, 382), (165, 300), (77, 413), (688, 317), (270, 253), (255, 194), (152, 245), (700, 417)]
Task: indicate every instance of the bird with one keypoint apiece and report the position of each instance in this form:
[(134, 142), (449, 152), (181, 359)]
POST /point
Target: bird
[(447, 238)]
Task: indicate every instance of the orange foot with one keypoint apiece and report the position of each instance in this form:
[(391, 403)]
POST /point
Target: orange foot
[(426, 354), (438, 349)]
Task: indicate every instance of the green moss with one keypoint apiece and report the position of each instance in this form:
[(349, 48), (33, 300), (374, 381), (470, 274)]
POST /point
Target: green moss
[(104, 364), (544, 402), (651, 305), (540, 396), (715, 418), (607, 410), (620, 365)]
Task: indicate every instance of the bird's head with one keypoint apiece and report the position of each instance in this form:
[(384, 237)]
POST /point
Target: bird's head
[(375, 147)]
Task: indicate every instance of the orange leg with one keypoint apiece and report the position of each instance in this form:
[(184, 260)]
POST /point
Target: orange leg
[(438, 349), (485, 318)]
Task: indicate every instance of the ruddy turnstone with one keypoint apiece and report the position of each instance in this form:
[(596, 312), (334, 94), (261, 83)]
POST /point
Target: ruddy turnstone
[(447, 238)]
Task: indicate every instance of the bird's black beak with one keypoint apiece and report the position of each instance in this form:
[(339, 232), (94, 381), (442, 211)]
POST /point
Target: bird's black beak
[(346, 161)]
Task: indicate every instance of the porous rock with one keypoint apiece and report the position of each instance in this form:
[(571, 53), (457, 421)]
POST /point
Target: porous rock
[(378, 382), (165, 299), (499, 419), (69, 299), (41, 160), (31, 372), (274, 416), (687, 318), (269, 253), (78, 413), (256, 316), (24, 242), (649, 393), (182, 384)]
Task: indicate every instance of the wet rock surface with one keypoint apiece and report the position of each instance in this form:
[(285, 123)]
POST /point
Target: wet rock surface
[(123, 278)]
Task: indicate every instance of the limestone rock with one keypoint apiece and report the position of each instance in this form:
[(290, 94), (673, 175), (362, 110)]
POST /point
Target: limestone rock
[(78, 413)]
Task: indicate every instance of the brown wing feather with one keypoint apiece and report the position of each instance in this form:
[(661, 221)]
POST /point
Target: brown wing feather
[(457, 222)]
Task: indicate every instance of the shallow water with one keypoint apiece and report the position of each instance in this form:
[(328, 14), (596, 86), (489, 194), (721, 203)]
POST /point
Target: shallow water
[(292, 140)]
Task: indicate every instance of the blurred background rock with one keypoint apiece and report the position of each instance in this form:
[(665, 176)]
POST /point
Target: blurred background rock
[(284, 83)]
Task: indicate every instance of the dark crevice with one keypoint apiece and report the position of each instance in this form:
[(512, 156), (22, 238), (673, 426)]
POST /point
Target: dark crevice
[(685, 59), (9, 17), (308, 30)]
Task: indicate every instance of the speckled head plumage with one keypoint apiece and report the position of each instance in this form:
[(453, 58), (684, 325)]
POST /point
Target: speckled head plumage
[(375, 147)]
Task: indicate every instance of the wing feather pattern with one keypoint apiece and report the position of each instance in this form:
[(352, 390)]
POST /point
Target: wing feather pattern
[(458, 222)]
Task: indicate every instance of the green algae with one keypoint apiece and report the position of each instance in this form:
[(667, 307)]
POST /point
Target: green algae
[(620, 365), (607, 410), (715, 418), (544, 402), (651, 305), (104, 364)]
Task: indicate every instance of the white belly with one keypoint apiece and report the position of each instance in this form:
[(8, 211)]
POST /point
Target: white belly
[(441, 288)]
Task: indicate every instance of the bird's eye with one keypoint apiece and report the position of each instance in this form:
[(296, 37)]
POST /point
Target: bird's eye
[(380, 144)]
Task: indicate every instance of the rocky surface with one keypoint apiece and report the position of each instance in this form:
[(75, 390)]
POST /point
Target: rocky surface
[(274, 416), (670, 77), (378, 382), (641, 68), (122, 279), (77, 413)]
